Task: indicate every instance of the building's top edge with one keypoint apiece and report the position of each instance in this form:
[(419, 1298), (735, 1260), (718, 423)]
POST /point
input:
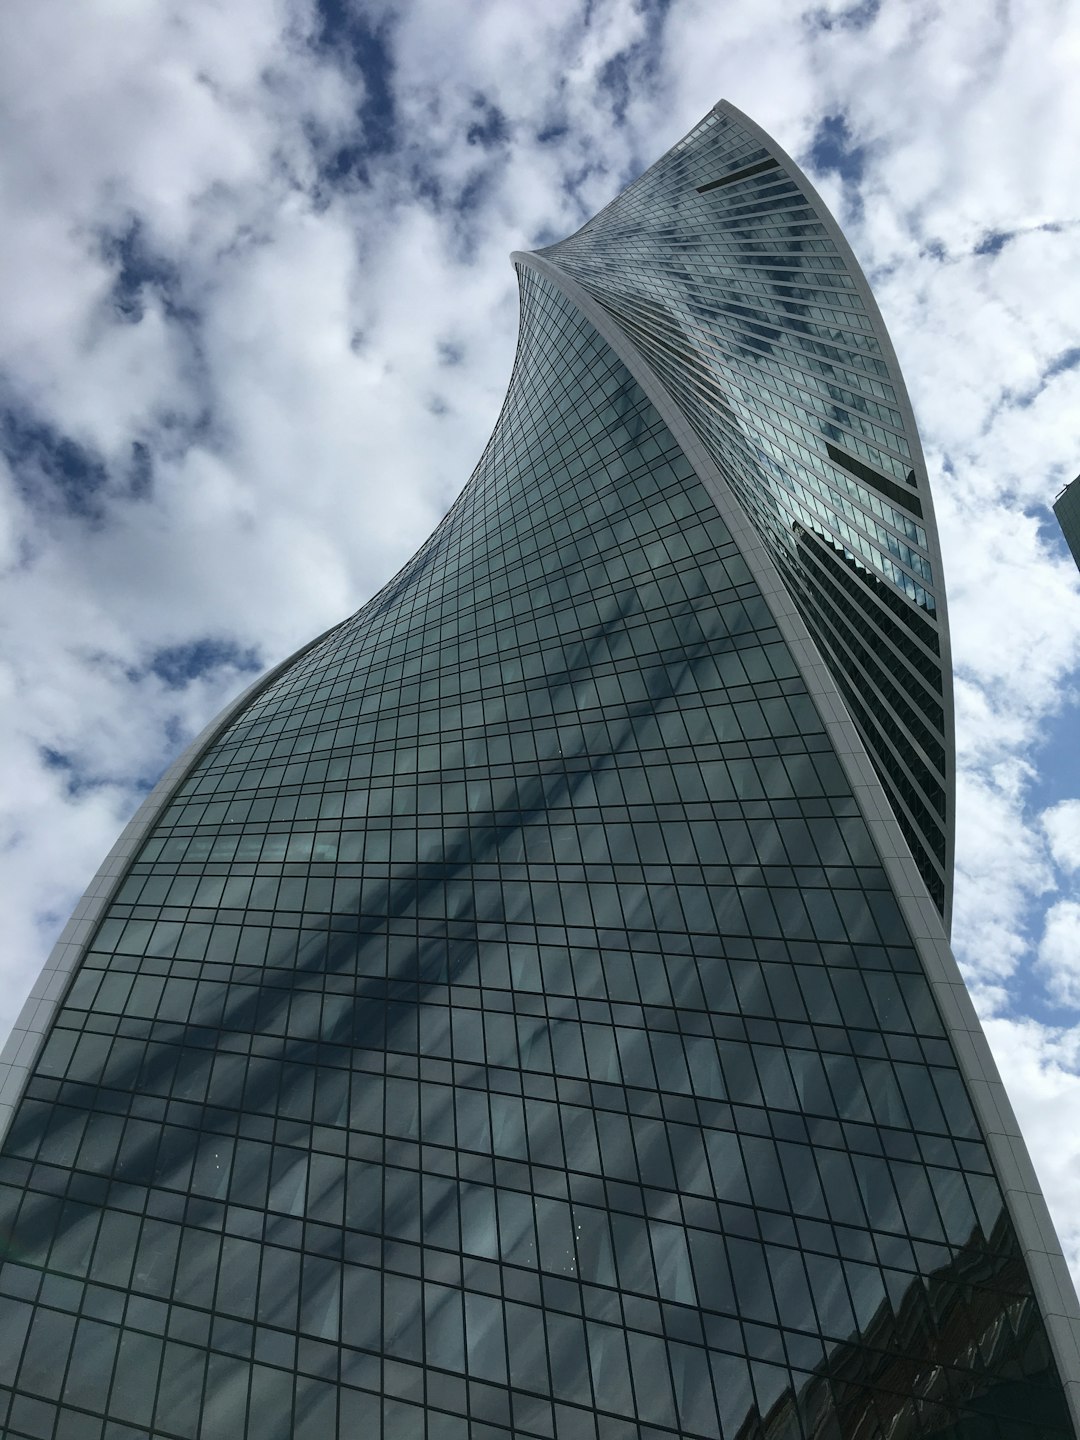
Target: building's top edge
[(877, 542)]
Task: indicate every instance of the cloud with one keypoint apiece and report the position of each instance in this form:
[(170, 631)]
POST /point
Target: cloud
[(1001, 866), (1040, 1065), (1059, 952), (1062, 825)]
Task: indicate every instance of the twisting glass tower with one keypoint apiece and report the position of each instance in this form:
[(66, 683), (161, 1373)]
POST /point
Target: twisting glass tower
[(528, 1011)]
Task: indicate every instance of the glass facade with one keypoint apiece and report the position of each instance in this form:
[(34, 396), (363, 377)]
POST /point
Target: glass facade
[(508, 1028), (742, 295), (1067, 510)]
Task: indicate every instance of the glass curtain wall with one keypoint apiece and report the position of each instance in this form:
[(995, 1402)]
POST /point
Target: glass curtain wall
[(508, 1028)]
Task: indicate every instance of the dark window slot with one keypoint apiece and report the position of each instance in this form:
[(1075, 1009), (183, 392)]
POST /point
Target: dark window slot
[(743, 174), (896, 493)]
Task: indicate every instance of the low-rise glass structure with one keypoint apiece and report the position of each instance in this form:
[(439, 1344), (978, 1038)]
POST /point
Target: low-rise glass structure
[(528, 1011)]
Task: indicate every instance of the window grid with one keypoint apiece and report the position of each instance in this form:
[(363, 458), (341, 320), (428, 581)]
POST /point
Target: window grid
[(508, 1027), (740, 300)]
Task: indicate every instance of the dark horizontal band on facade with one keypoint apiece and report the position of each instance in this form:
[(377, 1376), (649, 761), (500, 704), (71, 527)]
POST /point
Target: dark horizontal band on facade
[(743, 174), (896, 493)]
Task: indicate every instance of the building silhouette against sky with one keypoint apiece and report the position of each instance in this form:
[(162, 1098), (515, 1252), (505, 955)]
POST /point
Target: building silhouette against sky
[(529, 1009), (1067, 510)]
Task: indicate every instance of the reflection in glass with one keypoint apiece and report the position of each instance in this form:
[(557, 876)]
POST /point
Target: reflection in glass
[(506, 1028)]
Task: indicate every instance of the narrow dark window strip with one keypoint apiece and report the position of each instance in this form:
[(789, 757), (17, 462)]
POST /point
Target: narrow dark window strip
[(896, 493), (744, 174)]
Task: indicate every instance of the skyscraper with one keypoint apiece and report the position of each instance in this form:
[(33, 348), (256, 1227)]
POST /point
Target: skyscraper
[(529, 1009), (1067, 510)]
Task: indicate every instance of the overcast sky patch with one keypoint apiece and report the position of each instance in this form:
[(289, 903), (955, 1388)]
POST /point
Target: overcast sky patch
[(179, 664), (51, 471), (832, 148), (346, 36)]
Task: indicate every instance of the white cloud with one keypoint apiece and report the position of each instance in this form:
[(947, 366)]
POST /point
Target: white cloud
[(1059, 951), (1000, 866), (1062, 825), (1040, 1066)]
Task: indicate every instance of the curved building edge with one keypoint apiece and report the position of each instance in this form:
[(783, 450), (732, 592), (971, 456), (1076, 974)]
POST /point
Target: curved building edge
[(31, 1028), (918, 461), (1050, 1276)]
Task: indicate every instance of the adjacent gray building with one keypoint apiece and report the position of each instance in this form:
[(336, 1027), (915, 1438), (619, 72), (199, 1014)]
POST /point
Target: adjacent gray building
[(529, 1011)]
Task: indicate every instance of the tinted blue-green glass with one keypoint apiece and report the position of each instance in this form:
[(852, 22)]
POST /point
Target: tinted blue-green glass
[(508, 1029), (732, 285)]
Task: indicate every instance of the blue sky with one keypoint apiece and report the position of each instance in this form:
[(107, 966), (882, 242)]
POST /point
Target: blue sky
[(257, 318)]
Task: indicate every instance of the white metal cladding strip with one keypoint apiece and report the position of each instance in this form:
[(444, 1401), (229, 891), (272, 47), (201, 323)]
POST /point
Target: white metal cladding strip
[(918, 462), (20, 1053), (1050, 1276)]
